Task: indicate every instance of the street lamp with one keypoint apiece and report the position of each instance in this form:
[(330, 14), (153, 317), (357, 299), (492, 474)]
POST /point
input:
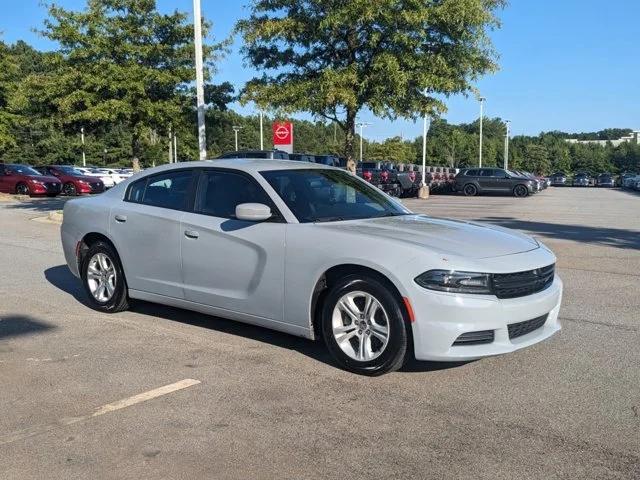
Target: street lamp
[(261, 131), (236, 129), (84, 157), (506, 145), (197, 33), (361, 125), (104, 157), (482, 100)]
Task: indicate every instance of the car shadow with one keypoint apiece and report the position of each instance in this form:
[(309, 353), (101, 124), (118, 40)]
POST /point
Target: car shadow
[(610, 237), (12, 326), (39, 204), (61, 278)]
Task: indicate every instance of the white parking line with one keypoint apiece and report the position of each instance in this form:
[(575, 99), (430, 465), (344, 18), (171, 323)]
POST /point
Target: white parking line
[(110, 407)]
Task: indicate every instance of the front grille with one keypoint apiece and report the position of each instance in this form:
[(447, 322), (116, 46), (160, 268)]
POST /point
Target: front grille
[(521, 284), (475, 338), (96, 186), (522, 328), (53, 187)]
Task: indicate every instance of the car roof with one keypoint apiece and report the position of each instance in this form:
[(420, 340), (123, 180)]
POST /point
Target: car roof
[(252, 165)]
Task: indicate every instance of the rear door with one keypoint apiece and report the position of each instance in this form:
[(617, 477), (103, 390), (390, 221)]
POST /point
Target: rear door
[(227, 263), (146, 230)]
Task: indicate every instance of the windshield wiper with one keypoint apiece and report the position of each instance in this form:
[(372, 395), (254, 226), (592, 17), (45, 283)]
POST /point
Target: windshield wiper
[(328, 219)]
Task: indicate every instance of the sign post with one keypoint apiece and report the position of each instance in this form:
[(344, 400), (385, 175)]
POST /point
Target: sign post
[(283, 136)]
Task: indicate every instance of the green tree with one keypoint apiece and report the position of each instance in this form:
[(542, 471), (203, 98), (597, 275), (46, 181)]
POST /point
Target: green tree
[(8, 73), (536, 159), (333, 57), (120, 62)]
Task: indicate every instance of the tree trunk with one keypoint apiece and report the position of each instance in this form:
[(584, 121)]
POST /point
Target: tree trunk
[(135, 148), (349, 140)]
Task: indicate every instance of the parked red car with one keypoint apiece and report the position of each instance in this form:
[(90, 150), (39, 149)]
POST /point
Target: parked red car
[(74, 182), (24, 180)]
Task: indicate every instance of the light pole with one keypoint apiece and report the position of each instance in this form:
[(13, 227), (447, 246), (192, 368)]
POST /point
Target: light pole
[(197, 33), (424, 151), (104, 157), (506, 145), (482, 100), (175, 148), (84, 157), (261, 132), (361, 125), (236, 129)]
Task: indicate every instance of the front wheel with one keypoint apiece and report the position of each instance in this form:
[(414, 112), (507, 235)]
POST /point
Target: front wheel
[(363, 326), (69, 189), (520, 191), (103, 279), (470, 190), (22, 189)]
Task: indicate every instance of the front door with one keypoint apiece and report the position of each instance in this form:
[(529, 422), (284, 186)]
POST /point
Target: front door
[(227, 263), (146, 230), (4, 180)]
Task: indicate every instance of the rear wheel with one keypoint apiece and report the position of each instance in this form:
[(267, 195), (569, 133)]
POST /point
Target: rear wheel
[(69, 189), (470, 190), (22, 189), (520, 191), (103, 279), (363, 326)]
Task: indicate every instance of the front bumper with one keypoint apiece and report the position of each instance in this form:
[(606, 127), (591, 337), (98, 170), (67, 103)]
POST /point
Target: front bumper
[(440, 318)]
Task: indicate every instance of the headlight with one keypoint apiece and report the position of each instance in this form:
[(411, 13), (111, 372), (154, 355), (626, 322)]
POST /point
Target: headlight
[(37, 182), (455, 282)]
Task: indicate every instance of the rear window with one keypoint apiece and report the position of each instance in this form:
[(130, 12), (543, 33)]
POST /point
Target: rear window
[(166, 190)]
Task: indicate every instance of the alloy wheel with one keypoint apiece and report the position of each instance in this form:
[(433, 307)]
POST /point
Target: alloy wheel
[(470, 190), (22, 189), (521, 191), (69, 189), (101, 277), (360, 326)]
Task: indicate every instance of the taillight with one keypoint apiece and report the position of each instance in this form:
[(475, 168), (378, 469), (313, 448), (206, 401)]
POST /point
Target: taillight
[(367, 175), (437, 176), (384, 175)]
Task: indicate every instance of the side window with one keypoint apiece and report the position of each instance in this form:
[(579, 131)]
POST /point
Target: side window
[(486, 172), (472, 173), (168, 190), (136, 191), (1, 169), (220, 192)]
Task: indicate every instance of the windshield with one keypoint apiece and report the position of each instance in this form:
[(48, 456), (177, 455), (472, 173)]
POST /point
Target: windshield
[(22, 170), (71, 171), (315, 195)]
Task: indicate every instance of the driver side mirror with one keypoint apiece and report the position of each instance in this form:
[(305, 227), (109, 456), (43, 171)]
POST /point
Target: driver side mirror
[(253, 212)]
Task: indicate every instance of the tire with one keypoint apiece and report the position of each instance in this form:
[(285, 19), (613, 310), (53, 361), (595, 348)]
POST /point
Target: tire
[(22, 189), (94, 271), (384, 355), (69, 189), (520, 191), (470, 190)]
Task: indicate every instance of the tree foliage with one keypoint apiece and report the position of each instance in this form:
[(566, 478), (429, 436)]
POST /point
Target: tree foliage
[(333, 57), (120, 62)]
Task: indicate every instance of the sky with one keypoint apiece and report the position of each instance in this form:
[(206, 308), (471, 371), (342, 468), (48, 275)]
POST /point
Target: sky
[(570, 65)]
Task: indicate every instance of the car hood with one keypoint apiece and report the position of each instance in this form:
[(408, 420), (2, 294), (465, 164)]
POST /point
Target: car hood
[(44, 178), (448, 237)]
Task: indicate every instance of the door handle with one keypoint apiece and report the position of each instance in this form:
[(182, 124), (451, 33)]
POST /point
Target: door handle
[(191, 234), (121, 218)]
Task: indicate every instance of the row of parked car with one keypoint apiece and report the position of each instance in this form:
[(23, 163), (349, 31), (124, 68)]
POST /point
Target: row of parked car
[(53, 180), (404, 180), (583, 179)]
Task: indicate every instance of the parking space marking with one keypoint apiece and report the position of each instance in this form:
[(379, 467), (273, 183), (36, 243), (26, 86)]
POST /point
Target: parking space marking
[(143, 397), (108, 408)]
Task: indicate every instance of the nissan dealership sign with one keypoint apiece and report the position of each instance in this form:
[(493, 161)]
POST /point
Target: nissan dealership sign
[(283, 136)]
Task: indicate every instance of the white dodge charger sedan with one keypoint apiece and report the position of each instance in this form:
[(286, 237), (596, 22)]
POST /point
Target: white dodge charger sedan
[(313, 251)]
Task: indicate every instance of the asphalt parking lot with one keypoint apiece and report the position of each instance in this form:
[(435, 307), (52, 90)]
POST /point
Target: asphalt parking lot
[(81, 393)]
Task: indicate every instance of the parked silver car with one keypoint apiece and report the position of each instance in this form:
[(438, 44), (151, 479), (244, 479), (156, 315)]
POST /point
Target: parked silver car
[(313, 250)]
